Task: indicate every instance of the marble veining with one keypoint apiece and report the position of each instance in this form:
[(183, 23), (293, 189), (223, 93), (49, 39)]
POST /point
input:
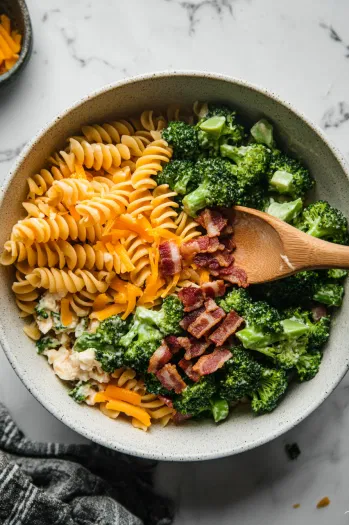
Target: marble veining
[(297, 49)]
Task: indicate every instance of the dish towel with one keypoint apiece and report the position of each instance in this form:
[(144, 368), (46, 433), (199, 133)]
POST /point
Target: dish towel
[(57, 484)]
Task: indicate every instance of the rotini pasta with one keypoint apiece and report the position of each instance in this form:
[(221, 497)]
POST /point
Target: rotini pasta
[(26, 295), (64, 281), (163, 211)]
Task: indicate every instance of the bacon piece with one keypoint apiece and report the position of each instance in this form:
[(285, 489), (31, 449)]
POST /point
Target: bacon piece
[(204, 322), (187, 366), (190, 318), (192, 297), (167, 401), (172, 342), (214, 261), (208, 364), (193, 347), (210, 305), (227, 328), (179, 418), (233, 275), (213, 289), (170, 378), (228, 243), (228, 230), (212, 221), (318, 312), (170, 258), (203, 244), (160, 357)]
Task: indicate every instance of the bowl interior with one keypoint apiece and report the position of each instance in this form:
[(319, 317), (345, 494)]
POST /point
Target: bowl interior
[(193, 441), (19, 15)]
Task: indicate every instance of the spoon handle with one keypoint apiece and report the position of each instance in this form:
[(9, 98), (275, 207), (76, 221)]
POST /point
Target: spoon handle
[(323, 254)]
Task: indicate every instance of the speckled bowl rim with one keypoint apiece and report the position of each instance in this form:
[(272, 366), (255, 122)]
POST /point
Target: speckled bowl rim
[(131, 448), (26, 49)]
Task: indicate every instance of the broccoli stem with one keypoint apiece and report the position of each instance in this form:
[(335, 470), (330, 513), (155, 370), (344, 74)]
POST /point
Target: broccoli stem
[(282, 181), (330, 294), (195, 201), (220, 409), (262, 132), (285, 211), (213, 126)]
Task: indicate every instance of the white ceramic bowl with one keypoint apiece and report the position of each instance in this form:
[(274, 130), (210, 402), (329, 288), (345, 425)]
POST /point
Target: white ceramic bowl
[(192, 441)]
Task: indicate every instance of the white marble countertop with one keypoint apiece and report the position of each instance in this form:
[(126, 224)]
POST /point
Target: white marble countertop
[(300, 50)]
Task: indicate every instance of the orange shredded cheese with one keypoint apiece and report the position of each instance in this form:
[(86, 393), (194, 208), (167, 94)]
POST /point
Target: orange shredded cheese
[(123, 394), (66, 314), (133, 292), (114, 309), (10, 45), (101, 301), (204, 276), (130, 410), (74, 213), (139, 225)]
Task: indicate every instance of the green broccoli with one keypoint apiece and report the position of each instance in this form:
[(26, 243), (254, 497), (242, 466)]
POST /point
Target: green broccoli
[(285, 211), (138, 354), (273, 385), (319, 331), (41, 312), (153, 385), (308, 366), (336, 274), (107, 335), (237, 299), (262, 132), (196, 398), (241, 376), (254, 197), (46, 343), (220, 409), (183, 138), (252, 162), (110, 358), (295, 290), (180, 175), (218, 186), (286, 354), (220, 124), (330, 294), (58, 326), (80, 392), (287, 175), (166, 319), (322, 220)]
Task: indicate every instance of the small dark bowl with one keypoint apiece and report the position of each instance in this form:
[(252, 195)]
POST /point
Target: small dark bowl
[(18, 12)]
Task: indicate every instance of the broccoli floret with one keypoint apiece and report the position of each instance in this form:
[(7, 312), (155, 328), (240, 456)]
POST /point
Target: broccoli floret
[(153, 385), (220, 409), (286, 354), (180, 175), (308, 366), (41, 312), (288, 176), (252, 162), (242, 374), (45, 343), (294, 290), (285, 211), (166, 319), (273, 385), (110, 358), (219, 124), (218, 186), (196, 398), (138, 354), (80, 392), (322, 220), (264, 316), (107, 335), (237, 299), (319, 331), (254, 197), (335, 274), (330, 294), (262, 132), (183, 138)]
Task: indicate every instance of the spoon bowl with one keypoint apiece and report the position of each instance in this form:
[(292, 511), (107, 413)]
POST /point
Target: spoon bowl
[(270, 249)]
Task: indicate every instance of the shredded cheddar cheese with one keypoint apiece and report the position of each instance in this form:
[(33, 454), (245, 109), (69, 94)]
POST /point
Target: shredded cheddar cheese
[(10, 45)]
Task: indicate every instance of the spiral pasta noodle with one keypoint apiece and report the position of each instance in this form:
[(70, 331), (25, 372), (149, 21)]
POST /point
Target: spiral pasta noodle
[(26, 295), (81, 303), (187, 228), (96, 155), (163, 211), (110, 133), (138, 254), (64, 281), (41, 182)]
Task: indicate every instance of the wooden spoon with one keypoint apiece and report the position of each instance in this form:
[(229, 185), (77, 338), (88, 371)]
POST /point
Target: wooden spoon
[(269, 249)]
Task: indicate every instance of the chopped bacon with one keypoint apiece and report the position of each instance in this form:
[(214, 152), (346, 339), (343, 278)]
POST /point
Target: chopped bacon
[(227, 230), (178, 418), (203, 244), (204, 322), (167, 401), (190, 318), (227, 328), (210, 305), (208, 364), (193, 347), (160, 357), (213, 289), (172, 342), (170, 258), (170, 378), (212, 221), (192, 297), (187, 366), (319, 311), (214, 261), (233, 275), (228, 243)]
